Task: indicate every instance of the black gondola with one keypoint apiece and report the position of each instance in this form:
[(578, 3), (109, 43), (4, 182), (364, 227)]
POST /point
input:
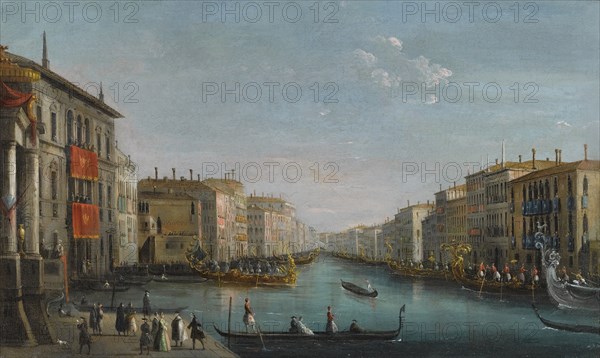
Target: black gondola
[(179, 279), (358, 290), (566, 327), (339, 336)]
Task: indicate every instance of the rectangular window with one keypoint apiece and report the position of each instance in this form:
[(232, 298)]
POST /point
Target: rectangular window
[(109, 196), (54, 185), (107, 147), (100, 194), (39, 114), (54, 127), (55, 210), (99, 144)]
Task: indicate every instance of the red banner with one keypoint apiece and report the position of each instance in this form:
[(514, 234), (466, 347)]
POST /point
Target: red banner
[(84, 164), (86, 221)]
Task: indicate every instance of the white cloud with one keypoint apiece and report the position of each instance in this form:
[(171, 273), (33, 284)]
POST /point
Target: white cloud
[(384, 64), (563, 124)]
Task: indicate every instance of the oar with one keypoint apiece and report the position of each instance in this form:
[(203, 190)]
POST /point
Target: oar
[(260, 335), (481, 289), (501, 285)]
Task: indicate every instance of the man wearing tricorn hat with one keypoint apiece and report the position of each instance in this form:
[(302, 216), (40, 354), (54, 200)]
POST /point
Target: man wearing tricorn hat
[(197, 332), (145, 338), (146, 307)]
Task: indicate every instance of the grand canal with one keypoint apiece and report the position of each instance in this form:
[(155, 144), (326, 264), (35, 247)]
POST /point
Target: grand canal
[(441, 317)]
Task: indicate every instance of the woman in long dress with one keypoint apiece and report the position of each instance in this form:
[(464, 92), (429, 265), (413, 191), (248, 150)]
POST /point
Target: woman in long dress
[(162, 342)]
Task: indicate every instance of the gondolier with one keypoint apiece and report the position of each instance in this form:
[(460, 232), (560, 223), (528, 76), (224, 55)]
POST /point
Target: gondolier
[(248, 315)]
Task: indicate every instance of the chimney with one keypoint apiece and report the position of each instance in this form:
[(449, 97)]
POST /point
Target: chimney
[(408, 203), (45, 62), (519, 158), (101, 93), (503, 154), (173, 169), (455, 184), (496, 161), (585, 152), (533, 156), (155, 173), (560, 156), (198, 177), (191, 174), (556, 156)]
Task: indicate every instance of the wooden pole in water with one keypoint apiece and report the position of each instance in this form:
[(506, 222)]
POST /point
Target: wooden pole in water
[(482, 282), (229, 321)]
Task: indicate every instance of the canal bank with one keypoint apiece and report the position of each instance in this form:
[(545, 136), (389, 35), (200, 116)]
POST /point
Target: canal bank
[(109, 344)]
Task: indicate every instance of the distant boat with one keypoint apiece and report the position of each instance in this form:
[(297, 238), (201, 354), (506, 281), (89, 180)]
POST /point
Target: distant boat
[(179, 279), (339, 336), (358, 290), (87, 307), (565, 326)]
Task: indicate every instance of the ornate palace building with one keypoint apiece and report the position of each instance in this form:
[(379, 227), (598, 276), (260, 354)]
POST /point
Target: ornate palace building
[(58, 185)]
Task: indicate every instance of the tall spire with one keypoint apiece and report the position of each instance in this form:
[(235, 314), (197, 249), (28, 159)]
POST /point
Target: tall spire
[(45, 62)]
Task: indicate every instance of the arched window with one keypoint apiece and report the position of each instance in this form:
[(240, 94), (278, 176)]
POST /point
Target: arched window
[(585, 185), (69, 127), (547, 189), (530, 197), (585, 223), (87, 131), (569, 185), (193, 209), (79, 130), (555, 186)]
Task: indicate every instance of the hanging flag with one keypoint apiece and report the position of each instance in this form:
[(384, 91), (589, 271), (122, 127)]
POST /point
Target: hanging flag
[(86, 221), (84, 164)]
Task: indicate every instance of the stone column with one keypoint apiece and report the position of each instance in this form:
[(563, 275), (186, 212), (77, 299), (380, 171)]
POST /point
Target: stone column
[(9, 196), (32, 200), (14, 326), (32, 265)]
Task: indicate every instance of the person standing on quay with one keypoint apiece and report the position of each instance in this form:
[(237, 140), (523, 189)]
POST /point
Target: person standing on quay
[(84, 335), (162, 342), (145, 338), (94, 318), (178, 333), (99, 317), (197, 332), (146, 307), (120, 322)]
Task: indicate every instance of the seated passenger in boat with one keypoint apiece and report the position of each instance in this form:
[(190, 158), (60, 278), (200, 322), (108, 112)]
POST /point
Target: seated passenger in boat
[(294, 325), (579, 279), (302, 329), (355, 328)]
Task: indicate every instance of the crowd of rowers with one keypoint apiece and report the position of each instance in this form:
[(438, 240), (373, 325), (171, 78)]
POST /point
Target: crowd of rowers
[(246, 266), (523, 274)]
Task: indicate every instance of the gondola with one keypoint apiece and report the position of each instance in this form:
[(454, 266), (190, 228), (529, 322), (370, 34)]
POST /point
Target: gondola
[(87, 307), (179, 279), (358, 290), (566, 327), (109, 289), (134, 280), (339, 336), (564, 293)]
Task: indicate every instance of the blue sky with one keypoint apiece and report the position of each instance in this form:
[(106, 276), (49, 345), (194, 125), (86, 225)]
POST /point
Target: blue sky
[(368, 127)]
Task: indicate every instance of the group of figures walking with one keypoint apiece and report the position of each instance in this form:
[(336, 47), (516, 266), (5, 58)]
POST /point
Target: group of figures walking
[(153, 335)]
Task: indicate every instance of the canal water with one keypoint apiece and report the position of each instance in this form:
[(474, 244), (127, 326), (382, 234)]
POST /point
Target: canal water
[(441, 319)]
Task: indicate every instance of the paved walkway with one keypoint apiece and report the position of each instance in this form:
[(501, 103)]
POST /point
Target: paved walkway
[(110, 344)]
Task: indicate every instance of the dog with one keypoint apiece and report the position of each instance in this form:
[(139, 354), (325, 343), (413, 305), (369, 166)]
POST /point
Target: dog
[(63, 344)]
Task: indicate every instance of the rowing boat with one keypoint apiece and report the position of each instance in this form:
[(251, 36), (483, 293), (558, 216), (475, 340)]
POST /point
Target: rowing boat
[(358, 290)]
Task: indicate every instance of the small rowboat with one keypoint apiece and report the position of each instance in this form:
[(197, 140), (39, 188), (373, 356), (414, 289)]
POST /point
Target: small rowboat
[(358, 290), (339, 336)]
